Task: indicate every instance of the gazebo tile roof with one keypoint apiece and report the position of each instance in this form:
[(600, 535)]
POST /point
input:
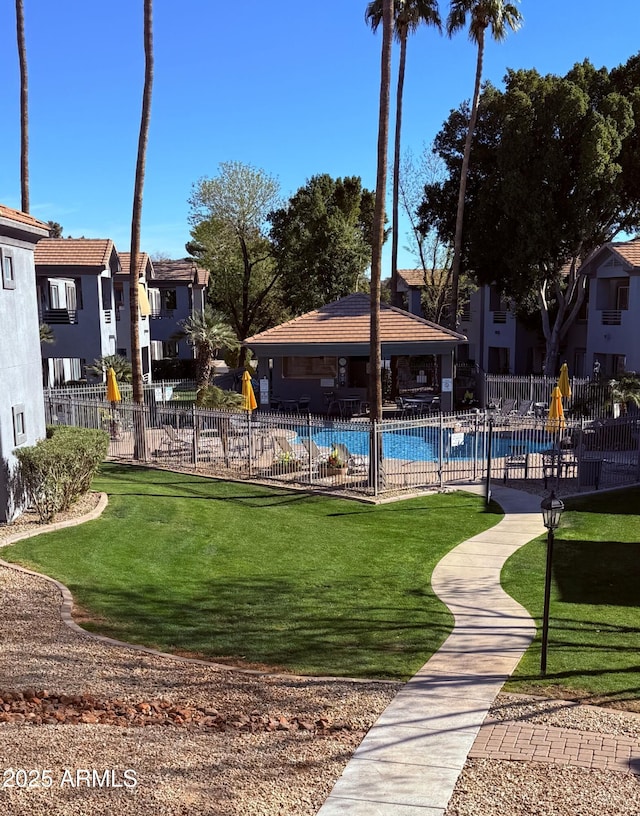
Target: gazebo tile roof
[(348, 320)]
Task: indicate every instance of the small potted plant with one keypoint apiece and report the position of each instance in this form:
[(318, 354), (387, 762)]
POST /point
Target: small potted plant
[(335, 464)]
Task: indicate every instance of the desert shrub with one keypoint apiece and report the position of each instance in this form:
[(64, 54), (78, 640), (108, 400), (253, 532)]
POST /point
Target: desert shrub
[(58, 470)]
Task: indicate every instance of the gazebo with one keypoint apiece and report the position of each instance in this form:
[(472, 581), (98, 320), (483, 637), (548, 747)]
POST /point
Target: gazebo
[(323, 355)]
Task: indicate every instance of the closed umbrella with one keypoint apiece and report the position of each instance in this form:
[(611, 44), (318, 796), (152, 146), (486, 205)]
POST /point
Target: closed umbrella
[(555, 419), (249, 402), (113, 392), (563, 382), (113, 396)]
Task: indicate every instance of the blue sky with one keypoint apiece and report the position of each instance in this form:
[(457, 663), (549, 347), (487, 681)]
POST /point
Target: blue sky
[(289, 87)]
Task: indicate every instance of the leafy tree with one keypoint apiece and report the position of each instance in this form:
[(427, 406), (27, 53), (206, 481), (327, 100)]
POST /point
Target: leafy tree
[(499, 16), (228, 217), (408, 16), (547, 186), (626, 390), (208, 332), (121, 366), (24, 107), (322, 241), (136, 217), (55, 229)]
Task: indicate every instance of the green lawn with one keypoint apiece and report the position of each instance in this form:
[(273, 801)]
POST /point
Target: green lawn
[(594, 632), (268, 577)]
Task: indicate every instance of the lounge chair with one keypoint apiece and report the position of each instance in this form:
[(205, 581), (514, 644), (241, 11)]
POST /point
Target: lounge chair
[(355, 461), (316, 455), (176, 443), (508, 407), (525, 408)]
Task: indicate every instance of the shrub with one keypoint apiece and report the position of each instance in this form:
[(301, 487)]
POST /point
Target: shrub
[(58, 470)]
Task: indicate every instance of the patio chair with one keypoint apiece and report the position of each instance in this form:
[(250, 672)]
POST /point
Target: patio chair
[(316, 455), (176, 443), (508, 407), (355, 461), (284, 452), (525, 408), (515, 460)]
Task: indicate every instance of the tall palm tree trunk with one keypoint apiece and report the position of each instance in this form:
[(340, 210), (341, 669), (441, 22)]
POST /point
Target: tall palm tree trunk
[(136, 217), (24, 107), (375, 382), (395, 299), (457, 245)]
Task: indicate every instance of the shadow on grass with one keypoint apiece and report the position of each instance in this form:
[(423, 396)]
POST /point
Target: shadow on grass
[(601, 573), (275, 624)]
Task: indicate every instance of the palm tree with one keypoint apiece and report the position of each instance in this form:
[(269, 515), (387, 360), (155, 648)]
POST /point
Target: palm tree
[(208, 332), (24, 107), (120, 365), (138, 391), (500, 16), (409, 14), (375, 382)]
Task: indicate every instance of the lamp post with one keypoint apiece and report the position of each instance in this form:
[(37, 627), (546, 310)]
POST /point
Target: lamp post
[(552, 509)]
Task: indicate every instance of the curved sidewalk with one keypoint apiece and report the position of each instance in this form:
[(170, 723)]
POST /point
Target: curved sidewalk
[(410, 760)]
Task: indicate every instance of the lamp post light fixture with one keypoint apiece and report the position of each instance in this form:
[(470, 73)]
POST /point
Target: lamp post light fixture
[(552, 508)]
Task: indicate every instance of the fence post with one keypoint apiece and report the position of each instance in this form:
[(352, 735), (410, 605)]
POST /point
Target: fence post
[(196, 435), (440, 451)]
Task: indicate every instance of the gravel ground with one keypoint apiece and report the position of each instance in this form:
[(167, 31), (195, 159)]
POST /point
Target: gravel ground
[(190, 769)]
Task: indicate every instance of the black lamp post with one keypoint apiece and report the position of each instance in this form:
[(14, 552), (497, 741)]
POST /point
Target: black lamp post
[(552, 509)]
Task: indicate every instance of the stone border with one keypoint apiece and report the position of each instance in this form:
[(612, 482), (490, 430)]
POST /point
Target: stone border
[(66, 612)]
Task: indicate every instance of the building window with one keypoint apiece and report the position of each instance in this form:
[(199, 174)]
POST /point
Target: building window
[(309, 368), (19, 426), (8, 271), (170, 349), (168, 300)]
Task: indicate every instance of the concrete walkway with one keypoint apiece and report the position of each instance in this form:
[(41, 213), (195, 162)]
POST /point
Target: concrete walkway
[(410, 760)]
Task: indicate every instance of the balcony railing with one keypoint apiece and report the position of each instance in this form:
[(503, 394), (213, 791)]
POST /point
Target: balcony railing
[(59, 317), (500, 317), (158, 314), (611, 317)]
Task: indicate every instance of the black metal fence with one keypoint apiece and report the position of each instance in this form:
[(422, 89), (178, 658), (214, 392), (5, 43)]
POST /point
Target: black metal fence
[(363, 457)]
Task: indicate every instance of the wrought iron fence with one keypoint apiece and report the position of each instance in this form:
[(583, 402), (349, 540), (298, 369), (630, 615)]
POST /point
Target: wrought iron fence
[(588, 399), (363, 457)]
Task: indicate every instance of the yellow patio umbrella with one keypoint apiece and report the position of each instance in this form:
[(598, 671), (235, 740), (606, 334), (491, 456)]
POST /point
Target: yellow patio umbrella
[(113, 392), (563, 382), (555, 419), (113, 396), (249, 402)]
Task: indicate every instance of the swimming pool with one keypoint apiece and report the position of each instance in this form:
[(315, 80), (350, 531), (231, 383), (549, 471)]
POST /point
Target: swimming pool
[(423, 444)]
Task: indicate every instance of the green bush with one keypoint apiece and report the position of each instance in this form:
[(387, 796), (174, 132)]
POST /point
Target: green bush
[(58, 470)]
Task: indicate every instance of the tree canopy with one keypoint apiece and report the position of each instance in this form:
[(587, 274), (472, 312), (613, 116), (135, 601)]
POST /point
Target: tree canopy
[(322, 241), (554, 175), (228, 217)]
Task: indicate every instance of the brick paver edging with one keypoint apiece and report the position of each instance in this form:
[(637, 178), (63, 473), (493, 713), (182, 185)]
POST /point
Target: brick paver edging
[(561, 746)]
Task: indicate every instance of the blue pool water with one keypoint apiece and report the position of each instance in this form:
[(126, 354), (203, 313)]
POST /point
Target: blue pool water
[(423, 444)]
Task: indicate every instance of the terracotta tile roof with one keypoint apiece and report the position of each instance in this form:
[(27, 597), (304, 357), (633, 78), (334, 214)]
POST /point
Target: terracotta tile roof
[(183, 270), (22, 217), (629, 250), (74, 252), (347, 320), (125, 261), (415, 277)]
